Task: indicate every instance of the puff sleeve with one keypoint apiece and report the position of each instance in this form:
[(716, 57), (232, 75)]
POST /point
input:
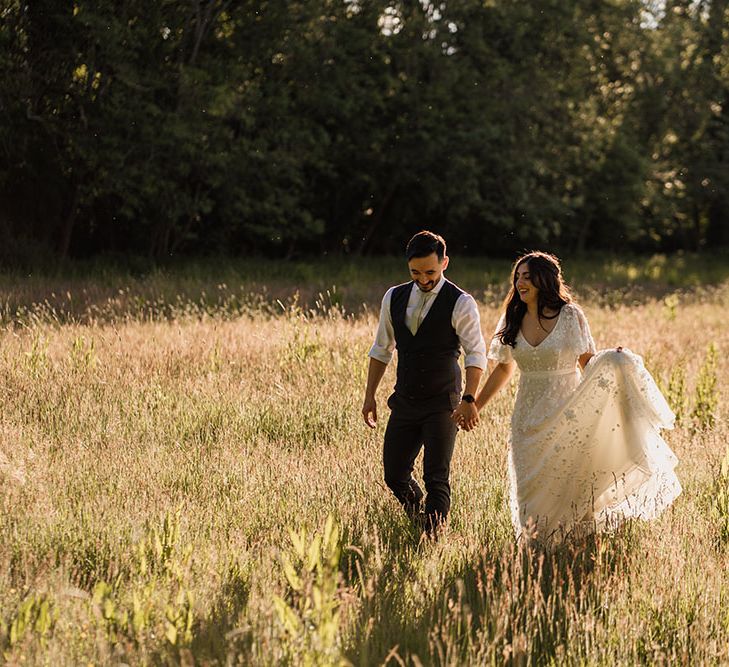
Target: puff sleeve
[(584, 337), (497, 350)]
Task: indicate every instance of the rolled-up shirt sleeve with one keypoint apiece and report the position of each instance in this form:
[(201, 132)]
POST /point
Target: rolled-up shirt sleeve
[(466, 321), (384, 345)]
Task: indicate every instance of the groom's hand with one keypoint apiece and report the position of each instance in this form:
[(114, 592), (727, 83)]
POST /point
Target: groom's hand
[(369, 411), (465, 415)]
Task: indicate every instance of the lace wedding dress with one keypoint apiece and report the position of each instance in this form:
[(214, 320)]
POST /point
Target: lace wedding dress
[(585, 450)]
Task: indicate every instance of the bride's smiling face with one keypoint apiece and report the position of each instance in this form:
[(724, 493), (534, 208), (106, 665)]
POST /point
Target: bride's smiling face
[(527, 291)]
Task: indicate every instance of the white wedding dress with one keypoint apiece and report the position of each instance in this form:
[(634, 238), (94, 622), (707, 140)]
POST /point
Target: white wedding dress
[(585, 450)]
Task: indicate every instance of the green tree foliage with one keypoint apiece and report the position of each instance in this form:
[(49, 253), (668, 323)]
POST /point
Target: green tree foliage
[(343, 126)]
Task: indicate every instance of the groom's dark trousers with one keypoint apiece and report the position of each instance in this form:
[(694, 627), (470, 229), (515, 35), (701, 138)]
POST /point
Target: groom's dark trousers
[(427, 390), (414, 425)]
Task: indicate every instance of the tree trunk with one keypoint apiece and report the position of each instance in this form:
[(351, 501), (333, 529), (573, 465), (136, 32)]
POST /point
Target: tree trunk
[(582, 238), (204, 18), (377, 219), (696, 215), (717, 234), (68, 225)]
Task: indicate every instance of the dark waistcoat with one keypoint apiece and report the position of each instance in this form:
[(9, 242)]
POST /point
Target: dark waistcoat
[(427, 363)]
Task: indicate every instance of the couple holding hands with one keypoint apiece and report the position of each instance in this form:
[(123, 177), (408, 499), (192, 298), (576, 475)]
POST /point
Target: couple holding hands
[(585, 451)]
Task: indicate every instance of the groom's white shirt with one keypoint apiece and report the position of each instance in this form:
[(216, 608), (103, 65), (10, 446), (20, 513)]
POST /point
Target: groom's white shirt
[(465, 320)]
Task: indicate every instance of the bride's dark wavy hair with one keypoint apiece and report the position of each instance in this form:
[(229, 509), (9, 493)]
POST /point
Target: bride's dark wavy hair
[(545, 274)]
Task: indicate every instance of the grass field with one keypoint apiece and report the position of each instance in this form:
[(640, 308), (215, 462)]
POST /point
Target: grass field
[(185, 479)]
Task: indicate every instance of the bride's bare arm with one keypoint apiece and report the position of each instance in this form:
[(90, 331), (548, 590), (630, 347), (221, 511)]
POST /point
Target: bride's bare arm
[(584, 358), (496, 380)]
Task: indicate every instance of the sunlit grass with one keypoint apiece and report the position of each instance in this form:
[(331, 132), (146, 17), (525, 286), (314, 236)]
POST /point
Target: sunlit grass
[(155, 456)]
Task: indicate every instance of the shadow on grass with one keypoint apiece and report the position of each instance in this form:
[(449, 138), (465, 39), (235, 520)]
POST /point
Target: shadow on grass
[(215, 636), (511, 605)]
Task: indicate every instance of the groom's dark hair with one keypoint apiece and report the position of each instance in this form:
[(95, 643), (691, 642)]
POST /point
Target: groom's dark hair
[(426, 243)]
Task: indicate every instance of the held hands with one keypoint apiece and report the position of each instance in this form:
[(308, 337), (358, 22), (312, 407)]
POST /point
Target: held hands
[(465, 416), (369, 411)]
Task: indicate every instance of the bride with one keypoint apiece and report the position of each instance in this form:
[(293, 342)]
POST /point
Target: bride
[(585, 450)]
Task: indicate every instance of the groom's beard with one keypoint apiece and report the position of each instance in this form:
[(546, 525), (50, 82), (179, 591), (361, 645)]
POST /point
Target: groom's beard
[(427, 287)]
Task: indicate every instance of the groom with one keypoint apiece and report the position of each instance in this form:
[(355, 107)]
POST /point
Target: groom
[(428, 320)]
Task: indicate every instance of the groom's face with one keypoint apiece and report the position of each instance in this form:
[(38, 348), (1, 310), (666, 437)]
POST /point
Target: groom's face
[(426, 271)]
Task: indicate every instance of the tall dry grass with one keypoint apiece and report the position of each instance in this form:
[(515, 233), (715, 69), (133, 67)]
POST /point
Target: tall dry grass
[(197, 487)]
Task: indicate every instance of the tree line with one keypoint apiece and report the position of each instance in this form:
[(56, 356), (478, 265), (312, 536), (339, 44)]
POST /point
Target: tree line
[(341, 126)]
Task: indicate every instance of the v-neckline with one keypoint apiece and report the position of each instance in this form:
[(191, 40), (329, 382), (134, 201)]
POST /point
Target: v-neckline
[(556, 324)]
